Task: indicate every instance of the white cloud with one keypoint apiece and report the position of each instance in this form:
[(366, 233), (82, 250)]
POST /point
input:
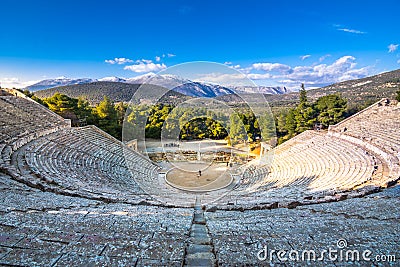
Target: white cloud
[(118, 60), (143, 66), (392, 47), (246, 70), (271, 67), (230, 64), (15, 82), (351, 31), (398, 61), (158, 58), (256, 76), (344, 68), (305, 57), (225, 79)]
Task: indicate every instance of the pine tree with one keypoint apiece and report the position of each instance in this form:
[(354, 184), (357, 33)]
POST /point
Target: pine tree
[(303, 94), (290, 123), (331, 109), (304, 113)]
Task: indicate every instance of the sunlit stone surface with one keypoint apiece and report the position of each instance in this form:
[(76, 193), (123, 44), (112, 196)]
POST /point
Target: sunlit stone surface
[(69, 197)]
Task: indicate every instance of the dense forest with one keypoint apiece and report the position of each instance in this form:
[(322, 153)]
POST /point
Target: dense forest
[(198, 123)]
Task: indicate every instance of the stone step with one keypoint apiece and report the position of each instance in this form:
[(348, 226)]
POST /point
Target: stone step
[(199, 251), (200, 240), (200, 262), (195, 248), (199, 230), (199, 218)]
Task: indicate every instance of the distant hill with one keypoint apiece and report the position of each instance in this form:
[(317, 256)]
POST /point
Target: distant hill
[(176, 83), (270, 90), (50, 83), (183, 86), (118, 92), (365, 90), (360, 91)]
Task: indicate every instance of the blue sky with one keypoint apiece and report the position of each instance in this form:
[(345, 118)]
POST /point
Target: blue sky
[(273, 42)]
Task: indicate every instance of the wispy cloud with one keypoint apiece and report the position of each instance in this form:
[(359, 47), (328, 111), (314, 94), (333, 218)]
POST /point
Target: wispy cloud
[(392, 47), (324, 57), (343, 28), (230, 64), (398, 61), (168, 55), (124, 61), (351, 31), (118, 60), (305, 57), (147, 61)]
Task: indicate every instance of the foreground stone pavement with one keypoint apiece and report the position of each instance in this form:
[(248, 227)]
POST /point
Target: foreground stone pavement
[(78, 197), (45, 229), (370, 223)]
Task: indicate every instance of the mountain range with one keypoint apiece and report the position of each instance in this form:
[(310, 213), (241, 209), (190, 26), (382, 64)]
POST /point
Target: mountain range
[(50, 83), (178, 84), (362, 91), (365, 90)]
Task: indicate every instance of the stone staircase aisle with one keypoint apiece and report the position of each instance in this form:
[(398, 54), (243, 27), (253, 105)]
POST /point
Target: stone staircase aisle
[(200, 249)]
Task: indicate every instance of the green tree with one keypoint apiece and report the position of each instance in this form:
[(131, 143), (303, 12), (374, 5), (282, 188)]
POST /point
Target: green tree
[(136, 119), (40, 101), (84, 111), (121, 109), (398, 95), (305, 115), (280, 122), (331, 109), (303, 94), (108, 117), (105, 109), (236, 131), (27, 93), (63, 105), (291, 124)]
